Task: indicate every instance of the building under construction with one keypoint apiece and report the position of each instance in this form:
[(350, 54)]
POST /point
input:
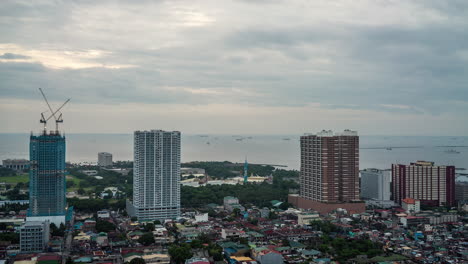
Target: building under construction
[(47, 182)]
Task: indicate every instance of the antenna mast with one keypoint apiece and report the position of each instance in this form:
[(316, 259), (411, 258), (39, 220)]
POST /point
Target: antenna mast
[(57, 120)]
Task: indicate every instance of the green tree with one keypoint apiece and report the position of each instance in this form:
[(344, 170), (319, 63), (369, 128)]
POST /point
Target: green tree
[(55, 231), (70, 184), (216, 252), (236, 212), (10, 236), (149, 227), (104, 226), (179, 253), (146, 239), (196, 244), (137, 261)]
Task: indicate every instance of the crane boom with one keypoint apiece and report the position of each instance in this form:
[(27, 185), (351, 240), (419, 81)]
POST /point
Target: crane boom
[(53, 113), (50, 108)]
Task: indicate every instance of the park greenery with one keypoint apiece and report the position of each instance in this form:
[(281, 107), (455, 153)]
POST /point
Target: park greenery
[(249, 194), (226, 169), (94, 205), (89, 184), (7, 172)]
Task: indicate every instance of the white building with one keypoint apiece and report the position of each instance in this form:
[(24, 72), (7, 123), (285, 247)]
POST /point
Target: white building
[(201, 218), (231, 203), (103, 214), (104, 159), (375, 184), (156, 175), (304, 218), (34, 236), (411, 205)]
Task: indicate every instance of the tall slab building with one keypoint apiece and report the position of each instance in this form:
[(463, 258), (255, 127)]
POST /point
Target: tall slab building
[(329, 177), (422, 180), (330, 166), (47, 183), (156, 175)]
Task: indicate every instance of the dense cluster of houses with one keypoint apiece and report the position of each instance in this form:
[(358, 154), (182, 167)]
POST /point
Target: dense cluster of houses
[(259, 236)]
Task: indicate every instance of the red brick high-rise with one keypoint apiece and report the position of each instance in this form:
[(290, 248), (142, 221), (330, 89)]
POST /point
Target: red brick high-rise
[(330, 167), (422, 180)]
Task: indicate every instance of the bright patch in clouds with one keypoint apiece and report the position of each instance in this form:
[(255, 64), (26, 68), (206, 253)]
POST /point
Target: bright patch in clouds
[(60, 59)]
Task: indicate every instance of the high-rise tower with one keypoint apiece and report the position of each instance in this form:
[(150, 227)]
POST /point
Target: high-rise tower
[(329, 177), (156, 175), (47, 183), (422, 180), (330, 166)]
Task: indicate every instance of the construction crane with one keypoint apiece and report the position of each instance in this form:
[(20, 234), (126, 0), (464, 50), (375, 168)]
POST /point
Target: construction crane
[(57, 120)]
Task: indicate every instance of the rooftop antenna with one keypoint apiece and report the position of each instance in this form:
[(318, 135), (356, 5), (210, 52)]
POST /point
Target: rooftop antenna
[(57, 120)]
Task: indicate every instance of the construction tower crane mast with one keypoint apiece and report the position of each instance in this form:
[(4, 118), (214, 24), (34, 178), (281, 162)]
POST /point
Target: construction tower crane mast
[(57, 120)]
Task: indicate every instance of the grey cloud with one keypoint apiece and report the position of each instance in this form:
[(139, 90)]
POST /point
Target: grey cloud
[(12, 56), (276, 63)]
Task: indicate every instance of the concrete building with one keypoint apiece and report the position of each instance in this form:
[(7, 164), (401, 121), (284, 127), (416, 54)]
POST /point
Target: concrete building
[(461, 191), (304, 218), (231, 203), (34, 236), (422, 180), (329, 177), (197, 172), (411, 205), (16, 164), (376, 184), (104, 159), (201, 218), (47, 188), (156, 170)]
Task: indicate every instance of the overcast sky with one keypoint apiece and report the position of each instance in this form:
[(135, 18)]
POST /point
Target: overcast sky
[(237, 67)]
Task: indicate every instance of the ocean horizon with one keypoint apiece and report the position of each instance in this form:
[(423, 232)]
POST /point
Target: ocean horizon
[(375, 151)]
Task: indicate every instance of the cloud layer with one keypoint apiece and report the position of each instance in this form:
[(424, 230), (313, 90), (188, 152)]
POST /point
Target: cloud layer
[(356, 63)]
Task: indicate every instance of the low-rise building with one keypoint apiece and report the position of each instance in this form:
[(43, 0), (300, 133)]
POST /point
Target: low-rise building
[(231, 203), (201, 218), (304, 218), (16, 164), (197, 261), (409, 221), (34, 236), (411, 205)]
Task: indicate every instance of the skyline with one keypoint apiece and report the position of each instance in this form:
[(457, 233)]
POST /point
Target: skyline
[(239, 67)]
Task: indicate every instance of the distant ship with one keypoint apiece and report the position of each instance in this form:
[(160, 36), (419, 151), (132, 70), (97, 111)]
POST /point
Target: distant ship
[(239, 139), (208, 143), (452, 151), (389, 148), (286, 139)]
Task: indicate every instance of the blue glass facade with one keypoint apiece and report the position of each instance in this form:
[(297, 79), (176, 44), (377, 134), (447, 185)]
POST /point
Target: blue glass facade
[(47, 183)]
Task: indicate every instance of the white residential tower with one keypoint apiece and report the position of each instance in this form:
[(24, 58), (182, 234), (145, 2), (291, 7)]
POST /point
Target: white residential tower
[(156, 175)]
